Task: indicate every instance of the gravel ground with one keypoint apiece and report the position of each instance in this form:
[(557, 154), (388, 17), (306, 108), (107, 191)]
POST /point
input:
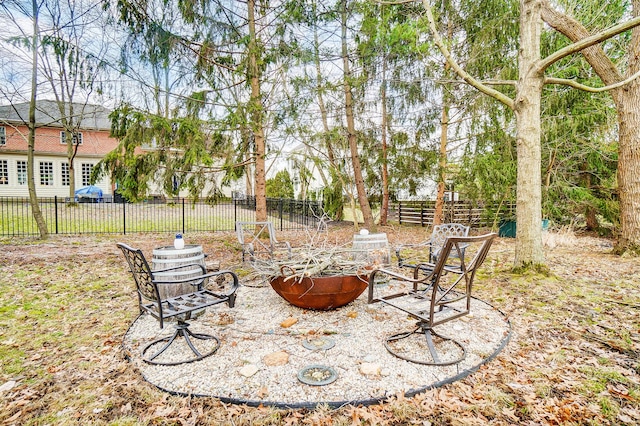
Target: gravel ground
[(261, 356)]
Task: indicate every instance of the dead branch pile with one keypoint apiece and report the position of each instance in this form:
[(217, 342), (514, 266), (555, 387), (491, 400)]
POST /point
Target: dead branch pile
[(311, 261)]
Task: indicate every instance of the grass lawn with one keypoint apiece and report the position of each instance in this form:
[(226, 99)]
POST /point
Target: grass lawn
[(65, 304)]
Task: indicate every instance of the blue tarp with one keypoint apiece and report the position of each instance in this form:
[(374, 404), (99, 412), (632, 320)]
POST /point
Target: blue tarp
[(90, 191)]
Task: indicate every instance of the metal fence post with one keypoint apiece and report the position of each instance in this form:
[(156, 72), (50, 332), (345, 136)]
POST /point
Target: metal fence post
[(124, 218), (55, 209)]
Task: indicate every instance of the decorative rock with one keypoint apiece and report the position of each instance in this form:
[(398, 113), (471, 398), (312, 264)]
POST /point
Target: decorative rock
[(288, 322), (276, 358), (248, 370), (370, 358), (370, 369)]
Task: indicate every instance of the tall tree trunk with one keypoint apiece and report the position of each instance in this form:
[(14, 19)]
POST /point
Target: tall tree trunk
[(527, 109), (257, 115), (325, 124), (438, 215), (384, 208), (629, 148), (33, 198), (627, 101), (67, 114), (351, 130), (629, 160), (323, 111)]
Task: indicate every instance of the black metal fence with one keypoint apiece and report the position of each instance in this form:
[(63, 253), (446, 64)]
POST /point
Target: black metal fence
[(173, 215)]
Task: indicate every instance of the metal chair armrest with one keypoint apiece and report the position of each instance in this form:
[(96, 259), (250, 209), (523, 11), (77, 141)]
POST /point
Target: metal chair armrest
[(404, 247), (231, 293), (189, 265), (416, 280)]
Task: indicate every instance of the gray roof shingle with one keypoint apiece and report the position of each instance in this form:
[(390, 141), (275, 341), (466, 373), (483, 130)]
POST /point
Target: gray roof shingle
[(93, 117)]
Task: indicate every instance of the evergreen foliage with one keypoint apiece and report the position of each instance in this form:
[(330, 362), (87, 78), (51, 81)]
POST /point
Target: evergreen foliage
[(280, 186)]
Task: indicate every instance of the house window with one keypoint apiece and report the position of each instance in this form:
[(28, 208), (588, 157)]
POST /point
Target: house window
[(86, 173), (3, 135), (46, 173), (4, 172), (65, 174), (77, 138), (21, 170)]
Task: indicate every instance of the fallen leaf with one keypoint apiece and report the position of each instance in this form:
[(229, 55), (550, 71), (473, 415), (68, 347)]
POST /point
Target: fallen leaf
[(262, 392), (8, 385), (511, 414), (16, 416)]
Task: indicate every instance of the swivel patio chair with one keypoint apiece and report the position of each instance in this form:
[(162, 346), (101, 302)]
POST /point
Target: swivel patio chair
[(179, 307), (433, 299), (410, 255)]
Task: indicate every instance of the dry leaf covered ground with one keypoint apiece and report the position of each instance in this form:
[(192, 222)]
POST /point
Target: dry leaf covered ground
[(66, 303)]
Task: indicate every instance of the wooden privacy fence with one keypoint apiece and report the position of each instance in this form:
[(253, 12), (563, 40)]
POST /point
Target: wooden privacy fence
[(468, 213)]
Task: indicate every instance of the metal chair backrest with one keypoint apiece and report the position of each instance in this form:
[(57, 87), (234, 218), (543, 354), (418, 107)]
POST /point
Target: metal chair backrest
[(458, 283), (142, 274), (440, 234)]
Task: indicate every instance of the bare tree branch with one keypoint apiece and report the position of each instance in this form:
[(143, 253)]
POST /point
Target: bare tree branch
[(587, 42), (484, 88), (576, 85)]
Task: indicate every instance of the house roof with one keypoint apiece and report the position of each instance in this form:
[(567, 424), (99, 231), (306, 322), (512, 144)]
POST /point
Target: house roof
[(93, 117)]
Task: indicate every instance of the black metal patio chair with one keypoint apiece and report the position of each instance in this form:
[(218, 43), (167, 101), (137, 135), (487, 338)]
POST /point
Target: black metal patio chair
[(433, 297), (179, 307)]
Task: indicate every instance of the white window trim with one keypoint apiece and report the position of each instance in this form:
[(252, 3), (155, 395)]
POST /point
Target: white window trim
[(4, 176), (86, 177), (19, 172), (41, 175), (68, 174), (76, 135)]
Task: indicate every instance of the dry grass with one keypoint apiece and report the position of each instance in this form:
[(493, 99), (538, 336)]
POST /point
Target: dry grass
[(66, 303)]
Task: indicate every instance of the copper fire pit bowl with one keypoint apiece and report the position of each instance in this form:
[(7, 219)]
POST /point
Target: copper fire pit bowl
[(320, 293)]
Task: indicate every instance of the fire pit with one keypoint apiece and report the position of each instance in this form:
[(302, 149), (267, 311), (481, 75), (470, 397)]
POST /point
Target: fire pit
[(321, 293)]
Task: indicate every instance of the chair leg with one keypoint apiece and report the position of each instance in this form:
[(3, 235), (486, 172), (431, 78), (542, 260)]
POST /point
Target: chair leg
[(431, 345), (182, 330)]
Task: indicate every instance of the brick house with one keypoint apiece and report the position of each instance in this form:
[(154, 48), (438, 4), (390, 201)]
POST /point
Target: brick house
[(51, 166)]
